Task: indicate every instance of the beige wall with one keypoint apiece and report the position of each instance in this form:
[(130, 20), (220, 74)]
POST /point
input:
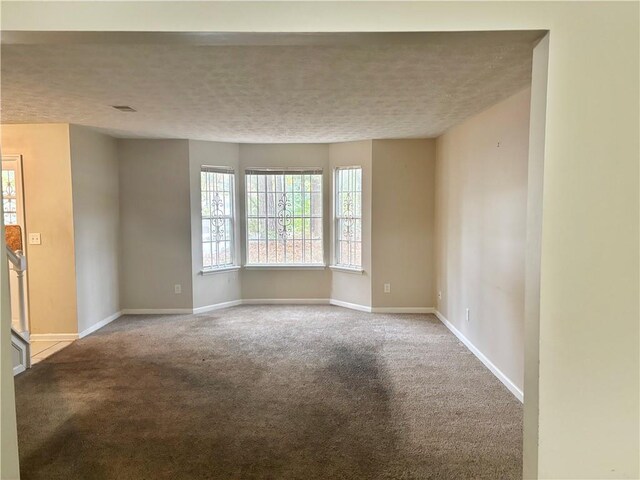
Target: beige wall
[(481, 209), (411, 272), (351, 287), (155, 224), (273, 283), (403, 223), (589, 417), (94, 174), (219, 287), (46, 164)]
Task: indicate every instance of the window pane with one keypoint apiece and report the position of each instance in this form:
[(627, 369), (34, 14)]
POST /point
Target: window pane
[(252, 205), (207, 259), (9, 205), (272, 252), (282, 204), (252, 229), (8, 184), (228, 229), (216, 197), (297, 251), (316, 204), (252, 251), (206, 230), (348, 214), (317, 251), (10, 219), (316, 183), (227, 252), (316, 228), (344, 251)]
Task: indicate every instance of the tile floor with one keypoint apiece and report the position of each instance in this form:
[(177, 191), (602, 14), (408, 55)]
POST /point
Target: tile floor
[(41, 349)]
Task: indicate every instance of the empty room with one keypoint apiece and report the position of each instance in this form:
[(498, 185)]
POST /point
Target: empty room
[(299, 252)]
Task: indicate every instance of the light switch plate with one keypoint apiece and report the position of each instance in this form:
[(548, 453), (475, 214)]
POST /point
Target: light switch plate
[(34, 239)]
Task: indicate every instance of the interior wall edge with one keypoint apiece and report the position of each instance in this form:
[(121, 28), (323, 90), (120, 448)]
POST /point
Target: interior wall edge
[(535, 174)]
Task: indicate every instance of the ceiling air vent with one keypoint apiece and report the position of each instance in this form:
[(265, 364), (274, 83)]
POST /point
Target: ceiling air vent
[(124, 108)]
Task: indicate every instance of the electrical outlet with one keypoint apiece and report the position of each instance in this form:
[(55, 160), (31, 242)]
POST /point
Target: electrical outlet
[(177, 289), (467, 314), (34, 239), (387, 288), (439, 295)]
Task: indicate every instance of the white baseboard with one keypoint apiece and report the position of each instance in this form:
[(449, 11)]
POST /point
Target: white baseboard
[(280, 301), (366, 308), (304, 301), (352, 306), (232, 303), (18, 369), (495, 370), (403, 310), (217, 306), (156, 311), (285, 301), (53, 337), (99, 325)]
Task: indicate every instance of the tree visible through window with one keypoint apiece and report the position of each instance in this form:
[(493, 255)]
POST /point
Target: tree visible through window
[(348, 217), (217, 198), (284, 217)]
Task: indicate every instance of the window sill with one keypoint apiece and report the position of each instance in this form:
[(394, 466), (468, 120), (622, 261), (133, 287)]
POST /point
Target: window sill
[(284, 267), (212, 271), (338, 268)]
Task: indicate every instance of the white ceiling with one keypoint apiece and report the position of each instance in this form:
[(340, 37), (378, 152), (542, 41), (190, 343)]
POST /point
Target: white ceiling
[(316, 90)]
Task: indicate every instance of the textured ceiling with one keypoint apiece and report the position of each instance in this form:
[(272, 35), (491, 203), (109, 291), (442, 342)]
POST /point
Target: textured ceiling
[(266, 93)]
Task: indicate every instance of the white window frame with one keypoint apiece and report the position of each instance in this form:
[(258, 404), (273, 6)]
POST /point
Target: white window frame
[(284, 171), (338, 263), (231, 264)]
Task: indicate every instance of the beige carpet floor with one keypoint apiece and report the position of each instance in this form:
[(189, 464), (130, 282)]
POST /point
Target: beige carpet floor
[(267, 392)]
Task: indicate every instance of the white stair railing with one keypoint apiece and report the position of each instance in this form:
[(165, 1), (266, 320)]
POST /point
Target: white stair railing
[(19, 265), (20, 352), (20, 339)]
